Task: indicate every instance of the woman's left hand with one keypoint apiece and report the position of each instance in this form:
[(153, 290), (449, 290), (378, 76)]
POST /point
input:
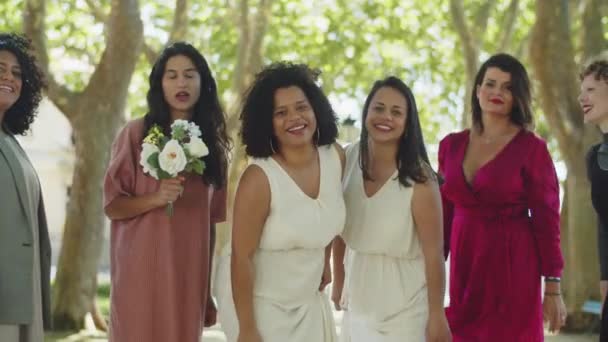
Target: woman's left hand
[(437, 328), (554, 311), (326, 277), (210, 314)]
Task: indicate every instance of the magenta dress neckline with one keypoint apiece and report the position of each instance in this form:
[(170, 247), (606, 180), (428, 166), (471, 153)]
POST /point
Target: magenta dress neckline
[(471, 184)]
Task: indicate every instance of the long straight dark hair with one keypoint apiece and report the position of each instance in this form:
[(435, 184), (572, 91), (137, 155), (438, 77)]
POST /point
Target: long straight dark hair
[(412, 159), (207, 114)]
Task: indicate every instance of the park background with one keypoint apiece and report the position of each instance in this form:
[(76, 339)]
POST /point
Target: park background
[(97, 55)]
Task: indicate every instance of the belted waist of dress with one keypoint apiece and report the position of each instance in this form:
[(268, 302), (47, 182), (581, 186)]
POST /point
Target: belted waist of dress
[(493, 213)]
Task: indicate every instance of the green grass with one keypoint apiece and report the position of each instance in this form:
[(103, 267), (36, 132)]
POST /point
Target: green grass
[(103, 303), (103, 299)]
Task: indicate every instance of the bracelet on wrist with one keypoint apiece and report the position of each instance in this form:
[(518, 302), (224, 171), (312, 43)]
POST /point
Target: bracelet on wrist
[(553, 294), (553, 279)]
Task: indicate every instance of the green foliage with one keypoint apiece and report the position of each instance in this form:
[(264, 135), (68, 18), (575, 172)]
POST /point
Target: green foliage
[(10, 12), (348, 121), (353, 43), (198, 166), (162, 174), (153, 160), (178, 133)]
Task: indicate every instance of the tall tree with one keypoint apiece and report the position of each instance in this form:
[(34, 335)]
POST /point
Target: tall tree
[(473, 34), (95, 113), (252, 28), (552, 54)]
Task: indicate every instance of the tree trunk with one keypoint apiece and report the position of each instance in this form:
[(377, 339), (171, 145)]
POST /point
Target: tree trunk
[(179, 30), (470, 51), (249, 62), (581, 274), (471, 42), (593, 38), (95, 115), (558, 89), (75, 287)]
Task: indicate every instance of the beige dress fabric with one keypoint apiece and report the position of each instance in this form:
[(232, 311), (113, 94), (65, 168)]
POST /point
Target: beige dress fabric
[(32, 332), (288, 305), (385, 292)]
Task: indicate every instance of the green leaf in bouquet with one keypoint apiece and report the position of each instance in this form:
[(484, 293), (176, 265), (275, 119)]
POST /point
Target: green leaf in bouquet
[(179, 133), (162, 174), (198, 166), (153, 160), (154, 135), (187, 153), (189, 168), (163, 141)]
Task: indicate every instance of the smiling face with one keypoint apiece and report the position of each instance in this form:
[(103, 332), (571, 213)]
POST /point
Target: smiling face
[(494, 92), (294, 122), (10, 80), (594, 100), (181, 86), (386, 115)]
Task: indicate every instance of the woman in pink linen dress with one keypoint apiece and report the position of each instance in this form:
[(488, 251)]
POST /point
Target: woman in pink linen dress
[(160, 264), (501, 212)]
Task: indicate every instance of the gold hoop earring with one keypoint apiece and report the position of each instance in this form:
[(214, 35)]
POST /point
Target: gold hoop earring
[(272, 147)]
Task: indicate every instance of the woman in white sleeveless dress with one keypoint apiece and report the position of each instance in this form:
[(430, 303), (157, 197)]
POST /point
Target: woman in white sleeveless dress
[(393, 287), (288, 209)]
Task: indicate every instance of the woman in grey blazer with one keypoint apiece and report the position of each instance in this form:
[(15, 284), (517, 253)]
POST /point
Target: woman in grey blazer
[(25, 250)]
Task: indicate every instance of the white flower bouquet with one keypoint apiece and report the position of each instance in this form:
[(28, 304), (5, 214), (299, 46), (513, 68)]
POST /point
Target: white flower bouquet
[(165, 157)]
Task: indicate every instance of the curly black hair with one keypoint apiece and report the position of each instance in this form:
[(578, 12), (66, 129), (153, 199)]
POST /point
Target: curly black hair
[(208, 113), (257, 132), (412, 159), (21, 114), (521, 114)]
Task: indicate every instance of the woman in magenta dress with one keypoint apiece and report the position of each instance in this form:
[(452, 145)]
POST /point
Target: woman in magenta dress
[(160, 263), (501, 213)]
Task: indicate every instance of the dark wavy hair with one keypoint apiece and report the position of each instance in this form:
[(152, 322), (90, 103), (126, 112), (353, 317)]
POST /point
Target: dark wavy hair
[(257, 131), (207, 114), (21, 114), (596, 67), (412, 159), (521, 114)]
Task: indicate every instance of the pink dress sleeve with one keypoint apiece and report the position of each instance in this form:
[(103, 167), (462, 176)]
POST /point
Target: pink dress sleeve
[(543, 200), (218, 205), (120, 175), (448, 207)]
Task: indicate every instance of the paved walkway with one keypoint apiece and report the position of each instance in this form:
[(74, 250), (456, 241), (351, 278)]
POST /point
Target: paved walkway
[(215, 334)]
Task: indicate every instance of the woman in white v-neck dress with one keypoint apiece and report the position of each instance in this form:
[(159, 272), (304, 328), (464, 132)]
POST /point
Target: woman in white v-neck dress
[(288, 209), (393, 285)]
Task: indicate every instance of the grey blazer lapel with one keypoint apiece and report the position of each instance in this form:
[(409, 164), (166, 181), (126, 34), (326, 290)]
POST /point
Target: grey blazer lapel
[(13, 164)]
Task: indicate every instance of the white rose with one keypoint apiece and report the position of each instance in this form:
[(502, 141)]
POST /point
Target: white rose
[(146, 152), (194, 130), (172, 158), (197, 147), (184, 124)]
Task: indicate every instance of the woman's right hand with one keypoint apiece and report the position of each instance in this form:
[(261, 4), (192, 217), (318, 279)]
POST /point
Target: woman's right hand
[(249, 336), (169, 190)]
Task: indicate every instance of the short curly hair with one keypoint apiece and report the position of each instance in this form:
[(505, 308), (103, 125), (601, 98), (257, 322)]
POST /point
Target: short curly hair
[(257, 131), (598, 68), (21, 114)]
